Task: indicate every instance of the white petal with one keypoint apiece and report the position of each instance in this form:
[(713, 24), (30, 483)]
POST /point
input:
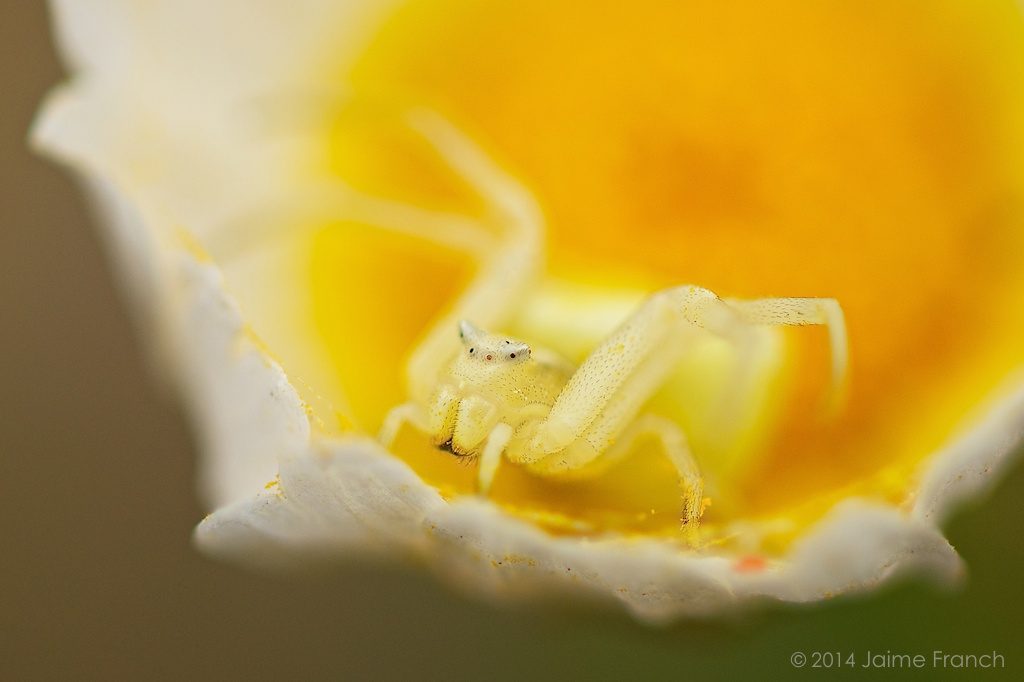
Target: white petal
[(349, 499), (343, 498), (972, 464), (249, 415)]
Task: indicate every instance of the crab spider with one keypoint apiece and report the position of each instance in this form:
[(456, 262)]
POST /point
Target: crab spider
[(489, 396)]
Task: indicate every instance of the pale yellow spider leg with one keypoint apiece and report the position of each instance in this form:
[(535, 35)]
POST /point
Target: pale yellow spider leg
[(619, 414), (508, 244), (673, 441), (439, 419), (805, 311), (619, 376), (491, 457), (317, 204), (612, 384), (505, 277), (407, 413)]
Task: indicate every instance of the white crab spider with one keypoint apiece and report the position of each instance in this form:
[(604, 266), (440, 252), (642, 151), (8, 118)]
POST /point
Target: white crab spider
[(492, 397)]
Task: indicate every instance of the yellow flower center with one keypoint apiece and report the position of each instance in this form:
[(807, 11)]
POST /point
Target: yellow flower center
[(869, 151)]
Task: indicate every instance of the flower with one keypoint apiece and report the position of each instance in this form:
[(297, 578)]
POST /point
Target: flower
[(266, 201)]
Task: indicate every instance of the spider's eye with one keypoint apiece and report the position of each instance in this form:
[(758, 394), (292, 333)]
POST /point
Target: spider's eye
[(512, 355), (471, 350), (490, 357)]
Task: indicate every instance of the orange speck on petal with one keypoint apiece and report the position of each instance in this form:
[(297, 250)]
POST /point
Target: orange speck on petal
[(750, 564)]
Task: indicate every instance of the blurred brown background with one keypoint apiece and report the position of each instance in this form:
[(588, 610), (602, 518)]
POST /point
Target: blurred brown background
[(98, 579)]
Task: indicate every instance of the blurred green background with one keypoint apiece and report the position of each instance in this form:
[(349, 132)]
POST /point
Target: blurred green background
[(98, 579)]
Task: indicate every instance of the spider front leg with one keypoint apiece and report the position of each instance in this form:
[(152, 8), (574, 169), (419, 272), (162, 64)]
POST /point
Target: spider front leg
[(605, 395), (607, 391), (612, 384)]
